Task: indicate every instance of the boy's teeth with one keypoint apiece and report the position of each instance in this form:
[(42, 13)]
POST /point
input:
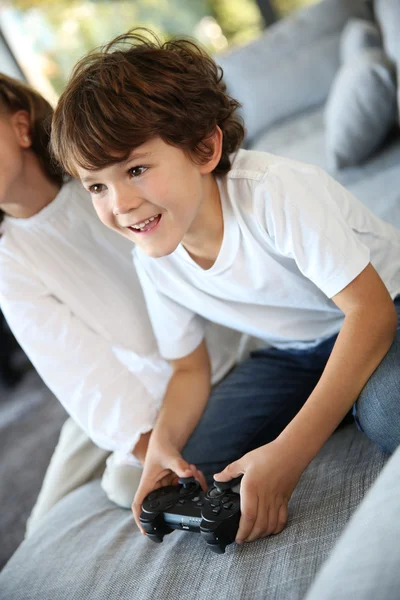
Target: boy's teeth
[(146, 222)]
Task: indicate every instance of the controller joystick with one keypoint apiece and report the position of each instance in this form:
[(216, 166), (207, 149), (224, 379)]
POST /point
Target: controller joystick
[(215, 514), (227, 485)]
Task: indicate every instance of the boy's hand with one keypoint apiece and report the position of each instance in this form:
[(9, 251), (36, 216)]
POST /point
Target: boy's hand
[(163, 466), (268, 482)]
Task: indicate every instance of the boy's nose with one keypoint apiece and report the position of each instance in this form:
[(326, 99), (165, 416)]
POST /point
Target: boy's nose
[(124, 202)]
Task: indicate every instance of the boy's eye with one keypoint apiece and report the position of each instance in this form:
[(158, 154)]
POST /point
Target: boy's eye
[(137, 171), (96, 188)]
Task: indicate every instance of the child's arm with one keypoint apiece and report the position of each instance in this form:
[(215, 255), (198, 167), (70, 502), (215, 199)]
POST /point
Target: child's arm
[(108, 401), (183, 405), (272, 471)]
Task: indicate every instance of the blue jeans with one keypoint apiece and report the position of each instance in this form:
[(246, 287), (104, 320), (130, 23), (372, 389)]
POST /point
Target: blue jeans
[(256, 401)]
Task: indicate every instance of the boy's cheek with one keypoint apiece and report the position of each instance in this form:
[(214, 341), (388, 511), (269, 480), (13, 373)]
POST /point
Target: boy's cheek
[(104, 216)]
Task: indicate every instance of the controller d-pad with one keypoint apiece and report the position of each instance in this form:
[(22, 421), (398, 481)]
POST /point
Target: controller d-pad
[(216, 510), (181, 501), (228, 505), (215, 503), (154, 504)]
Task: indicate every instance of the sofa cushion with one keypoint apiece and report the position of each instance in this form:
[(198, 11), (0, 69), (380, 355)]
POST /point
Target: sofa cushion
[(361, 108), (388, 16), (387, 13), (88, 549), (291, 66), (364, 564), (358, 35)]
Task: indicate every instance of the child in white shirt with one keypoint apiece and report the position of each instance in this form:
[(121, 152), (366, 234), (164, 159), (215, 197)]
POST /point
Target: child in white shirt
[(268, 246)]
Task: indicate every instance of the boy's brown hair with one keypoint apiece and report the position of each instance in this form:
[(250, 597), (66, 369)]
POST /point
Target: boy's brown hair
[(15, 96), (136, 88)]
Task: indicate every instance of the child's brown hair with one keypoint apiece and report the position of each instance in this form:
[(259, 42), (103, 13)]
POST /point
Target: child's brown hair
[(136, 88)]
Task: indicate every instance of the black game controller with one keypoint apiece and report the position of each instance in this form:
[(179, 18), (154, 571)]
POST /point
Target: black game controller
[(214, 514)]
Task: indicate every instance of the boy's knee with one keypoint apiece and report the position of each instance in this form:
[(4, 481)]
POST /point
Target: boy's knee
[(120, 482), (378, 407)]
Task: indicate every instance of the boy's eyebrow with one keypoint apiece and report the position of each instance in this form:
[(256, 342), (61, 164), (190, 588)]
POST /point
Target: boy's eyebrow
[(134, 156), (122, 164)]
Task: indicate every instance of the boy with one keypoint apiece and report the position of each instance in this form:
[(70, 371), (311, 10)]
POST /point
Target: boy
[(268, 246)]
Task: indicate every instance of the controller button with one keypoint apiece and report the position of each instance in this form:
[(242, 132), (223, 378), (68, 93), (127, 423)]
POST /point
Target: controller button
[(228, 506), (181, 501), (217, 510), (196, 499), (225, 499), (199, 503), (154, 504), (215, 503)]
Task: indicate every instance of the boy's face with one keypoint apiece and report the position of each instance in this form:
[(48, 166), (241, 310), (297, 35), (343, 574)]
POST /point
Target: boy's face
[(152, 198)]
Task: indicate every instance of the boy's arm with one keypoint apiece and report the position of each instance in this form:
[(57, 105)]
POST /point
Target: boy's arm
[(367, 333), (185, 399), (184, 402), (272, 471)]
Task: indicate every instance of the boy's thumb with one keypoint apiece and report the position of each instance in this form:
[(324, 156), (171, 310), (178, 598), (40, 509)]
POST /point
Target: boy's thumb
[(181, 467), (230, 472)]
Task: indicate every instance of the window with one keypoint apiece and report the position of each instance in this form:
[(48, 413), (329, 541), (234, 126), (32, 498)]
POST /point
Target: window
[(48, 38)]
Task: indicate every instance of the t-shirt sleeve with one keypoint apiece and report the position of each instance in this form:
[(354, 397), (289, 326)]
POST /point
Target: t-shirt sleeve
[(303, 212), (108, 401), (178, 329)]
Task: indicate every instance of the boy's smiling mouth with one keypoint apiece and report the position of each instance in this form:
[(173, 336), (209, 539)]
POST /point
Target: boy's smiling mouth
[(146, 225)]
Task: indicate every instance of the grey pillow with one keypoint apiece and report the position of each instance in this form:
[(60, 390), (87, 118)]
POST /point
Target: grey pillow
[(290, 68), (361, 108), (358, 35)]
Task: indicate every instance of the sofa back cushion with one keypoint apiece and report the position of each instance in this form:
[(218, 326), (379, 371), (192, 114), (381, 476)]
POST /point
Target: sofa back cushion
[(290, 68)]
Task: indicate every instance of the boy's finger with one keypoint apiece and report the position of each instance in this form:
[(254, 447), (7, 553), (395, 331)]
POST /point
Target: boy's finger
[(262, 523), (249, 510), (230, 472), (199, 476), (282, 518), (180, 467)]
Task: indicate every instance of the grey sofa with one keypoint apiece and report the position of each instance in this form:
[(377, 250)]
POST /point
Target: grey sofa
[(88, 549)]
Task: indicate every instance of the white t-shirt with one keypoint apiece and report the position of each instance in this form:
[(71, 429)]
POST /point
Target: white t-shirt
[(293, 238), (72, 298)]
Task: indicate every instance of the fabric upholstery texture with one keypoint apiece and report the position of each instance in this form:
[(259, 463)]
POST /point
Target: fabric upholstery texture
[(367, 556), (361, 108), (291, 66), (87, 548)]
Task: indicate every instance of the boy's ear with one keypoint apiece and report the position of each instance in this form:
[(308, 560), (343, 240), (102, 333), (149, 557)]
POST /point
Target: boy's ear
[(213, 142), (22, 126)]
